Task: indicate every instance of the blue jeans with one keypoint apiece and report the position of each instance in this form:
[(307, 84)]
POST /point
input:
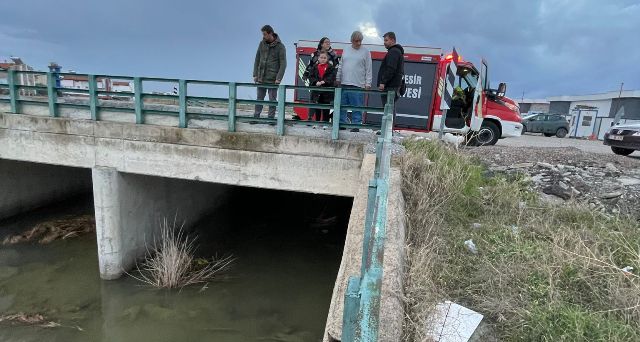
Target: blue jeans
[(351, 98)]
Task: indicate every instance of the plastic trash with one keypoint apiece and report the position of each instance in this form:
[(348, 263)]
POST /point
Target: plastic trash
[(515, 230), (627, 270), (471, 247), (476, 225)]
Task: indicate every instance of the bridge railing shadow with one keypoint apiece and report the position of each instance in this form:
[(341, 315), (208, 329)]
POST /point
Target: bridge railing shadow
[(99, 93)]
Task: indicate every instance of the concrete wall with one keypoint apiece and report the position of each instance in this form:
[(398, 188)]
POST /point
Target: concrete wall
[(290, 163), (391, 302), (130, 208), (25, 186)]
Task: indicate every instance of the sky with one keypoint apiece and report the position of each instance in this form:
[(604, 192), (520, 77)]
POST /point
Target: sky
[(538, 47)]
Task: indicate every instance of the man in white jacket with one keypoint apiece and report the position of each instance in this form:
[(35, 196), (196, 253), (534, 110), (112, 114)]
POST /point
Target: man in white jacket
[(354, 72)]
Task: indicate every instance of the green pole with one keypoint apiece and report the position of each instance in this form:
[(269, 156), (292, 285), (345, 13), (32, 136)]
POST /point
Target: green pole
[(232, 106), (282, 98), (137, 92), (93, 97), (13, 91), (335, 128), (351, 305), (182, 91), (51, 94)]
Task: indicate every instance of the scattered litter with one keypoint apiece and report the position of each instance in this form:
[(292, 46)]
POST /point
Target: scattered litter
[(522, 205), (452, 323), (59, 229), (627, 270), (471, 247), (515, 230), (476, 225)]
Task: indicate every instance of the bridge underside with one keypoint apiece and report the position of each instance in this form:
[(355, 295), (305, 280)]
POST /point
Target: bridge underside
[(116, 159)]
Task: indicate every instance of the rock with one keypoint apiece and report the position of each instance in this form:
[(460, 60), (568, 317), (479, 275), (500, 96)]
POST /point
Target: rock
[(545, 165), (557, 190), (522, 165), (537, 179), (611, 195), (628, 181), (564, 185), (611, 168)]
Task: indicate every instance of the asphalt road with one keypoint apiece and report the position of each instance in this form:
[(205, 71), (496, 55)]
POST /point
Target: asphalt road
[(537, 140)]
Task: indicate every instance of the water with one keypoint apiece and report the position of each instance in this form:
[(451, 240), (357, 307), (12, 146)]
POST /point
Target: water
[(278, 289)]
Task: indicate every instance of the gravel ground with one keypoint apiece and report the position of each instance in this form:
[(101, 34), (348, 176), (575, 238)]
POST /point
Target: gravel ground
[(537, 140), (606, 182)]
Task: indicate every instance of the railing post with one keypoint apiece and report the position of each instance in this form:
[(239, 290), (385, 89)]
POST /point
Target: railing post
[(182, 93), (13, 90), (337, 97), (137, 91), (232, 106), (282, 98), (52, 94), (93, 97), (350, 314)]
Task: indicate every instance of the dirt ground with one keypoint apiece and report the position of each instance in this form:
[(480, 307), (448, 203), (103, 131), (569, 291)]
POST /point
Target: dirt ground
[(570, 170)]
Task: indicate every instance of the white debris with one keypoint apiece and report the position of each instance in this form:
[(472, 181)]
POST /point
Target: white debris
[(471, 247), (452, 323)]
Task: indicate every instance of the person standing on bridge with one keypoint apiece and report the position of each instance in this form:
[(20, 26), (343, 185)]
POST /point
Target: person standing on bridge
[(269, 68), (391, 73), (354, 72)]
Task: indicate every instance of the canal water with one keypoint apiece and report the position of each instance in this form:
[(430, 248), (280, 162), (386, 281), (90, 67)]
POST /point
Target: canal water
[(287, 249)]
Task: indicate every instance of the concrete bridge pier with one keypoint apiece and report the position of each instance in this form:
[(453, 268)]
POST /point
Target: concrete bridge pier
[(25, 186), (130, 208)]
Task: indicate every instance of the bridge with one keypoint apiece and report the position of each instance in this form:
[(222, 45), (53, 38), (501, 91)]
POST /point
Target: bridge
[(145, 155)]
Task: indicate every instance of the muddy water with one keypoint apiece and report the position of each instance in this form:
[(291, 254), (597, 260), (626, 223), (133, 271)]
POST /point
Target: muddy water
[(278, 289)]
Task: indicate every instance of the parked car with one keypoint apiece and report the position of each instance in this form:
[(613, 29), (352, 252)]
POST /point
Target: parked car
[(623, 139), (547, 124)]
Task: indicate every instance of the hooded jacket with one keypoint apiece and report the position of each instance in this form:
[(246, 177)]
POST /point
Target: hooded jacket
[(271, 61), (392, 67)]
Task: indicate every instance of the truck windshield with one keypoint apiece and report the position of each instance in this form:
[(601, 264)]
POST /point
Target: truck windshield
[(471, 79)]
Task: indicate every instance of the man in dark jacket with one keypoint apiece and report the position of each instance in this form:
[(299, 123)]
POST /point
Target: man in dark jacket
[(269, 67), (391, 69)]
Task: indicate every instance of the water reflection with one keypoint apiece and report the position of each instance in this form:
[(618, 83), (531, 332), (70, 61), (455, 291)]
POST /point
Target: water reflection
[(278, 289)]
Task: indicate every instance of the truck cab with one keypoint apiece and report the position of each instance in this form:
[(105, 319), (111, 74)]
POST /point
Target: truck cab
[(487, 114)]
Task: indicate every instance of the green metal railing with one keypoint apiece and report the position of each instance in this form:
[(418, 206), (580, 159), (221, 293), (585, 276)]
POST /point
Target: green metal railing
[(182, 99), (361, 317)]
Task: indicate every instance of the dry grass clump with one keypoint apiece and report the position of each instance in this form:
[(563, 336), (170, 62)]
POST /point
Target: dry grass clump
[(170, 262), (541, 273)]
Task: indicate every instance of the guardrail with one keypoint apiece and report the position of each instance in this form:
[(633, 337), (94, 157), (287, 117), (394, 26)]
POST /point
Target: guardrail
[(361, 317), (182, 98)]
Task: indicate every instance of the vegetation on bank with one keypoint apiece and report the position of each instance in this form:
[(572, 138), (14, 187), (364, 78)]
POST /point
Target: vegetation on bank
[(539, 272)]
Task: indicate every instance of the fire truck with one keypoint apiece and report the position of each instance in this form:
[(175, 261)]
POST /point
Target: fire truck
[(494, 116)]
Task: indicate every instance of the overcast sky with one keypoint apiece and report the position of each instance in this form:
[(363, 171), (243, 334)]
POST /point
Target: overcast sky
[(541, 47)]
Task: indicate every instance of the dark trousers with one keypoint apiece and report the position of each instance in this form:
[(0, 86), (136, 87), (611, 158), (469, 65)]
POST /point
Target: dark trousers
[(395, 101), (320, 114), (262, 92)]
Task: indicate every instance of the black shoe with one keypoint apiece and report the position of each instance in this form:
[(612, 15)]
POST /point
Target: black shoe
[(355, 130), (378, 132), (343, 129)]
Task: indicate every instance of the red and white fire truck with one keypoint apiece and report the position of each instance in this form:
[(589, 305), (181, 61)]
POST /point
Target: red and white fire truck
[(496, 116)]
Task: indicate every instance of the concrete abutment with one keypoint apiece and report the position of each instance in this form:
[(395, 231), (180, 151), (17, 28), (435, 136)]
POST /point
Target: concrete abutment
[(130, 208)]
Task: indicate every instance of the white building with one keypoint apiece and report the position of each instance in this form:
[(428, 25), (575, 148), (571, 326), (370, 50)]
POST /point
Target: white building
[(591, 116), (533, 106)]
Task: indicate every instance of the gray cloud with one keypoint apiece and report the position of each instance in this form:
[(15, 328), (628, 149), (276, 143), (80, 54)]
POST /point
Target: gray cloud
[(544, 47)]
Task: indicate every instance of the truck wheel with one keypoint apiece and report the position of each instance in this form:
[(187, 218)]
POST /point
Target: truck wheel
[(621, 151), (548, 134), (561, 132), (488, 135)]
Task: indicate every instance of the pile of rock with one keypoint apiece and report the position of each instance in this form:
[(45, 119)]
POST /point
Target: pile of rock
[(603, 184)]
